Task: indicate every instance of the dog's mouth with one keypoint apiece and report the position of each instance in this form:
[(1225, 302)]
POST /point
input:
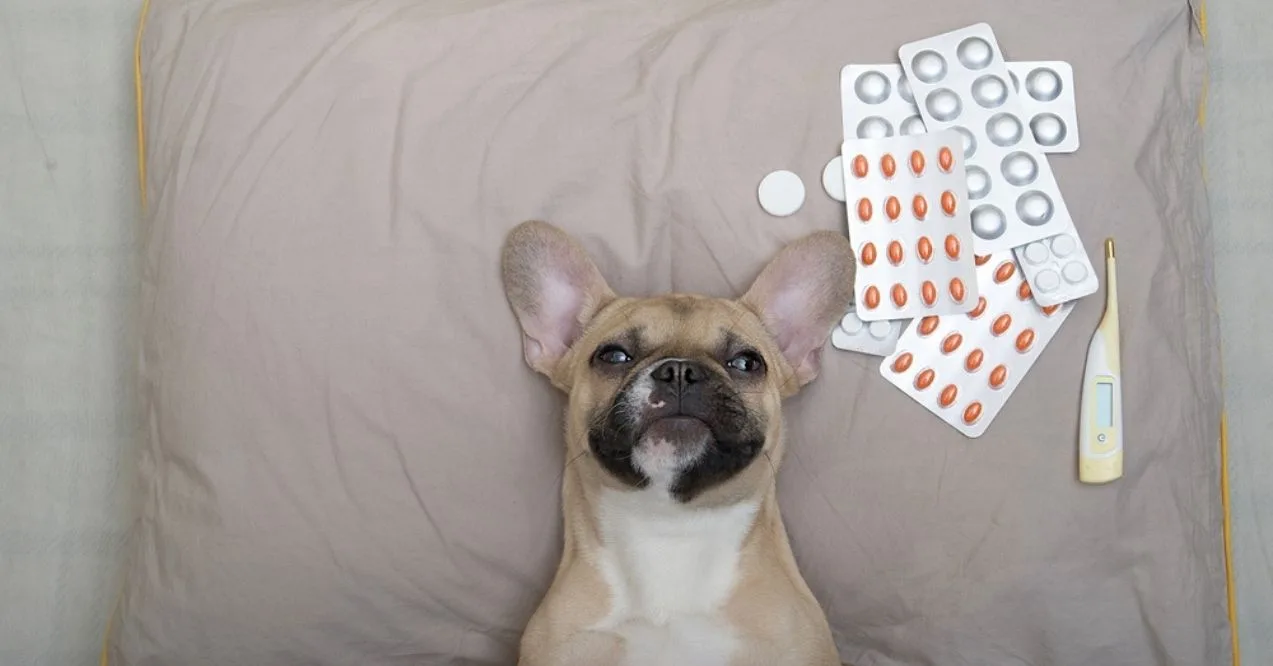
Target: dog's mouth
[(680, 430), (681, 448), (670, 445), (638, 453)]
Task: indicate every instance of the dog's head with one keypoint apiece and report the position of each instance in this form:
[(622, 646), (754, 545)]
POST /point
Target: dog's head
[(677, 392)]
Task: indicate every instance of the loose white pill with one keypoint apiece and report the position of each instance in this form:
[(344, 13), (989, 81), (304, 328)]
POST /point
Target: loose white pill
[(781, 193), (833, 178)]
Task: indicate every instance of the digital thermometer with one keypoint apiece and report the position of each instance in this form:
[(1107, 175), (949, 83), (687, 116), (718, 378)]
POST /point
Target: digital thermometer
[(1101, 420)]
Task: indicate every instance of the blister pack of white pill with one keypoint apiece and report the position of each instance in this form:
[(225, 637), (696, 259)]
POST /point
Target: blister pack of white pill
[(1046, 91), (960, 81), (876, 101), (877, 338), (963, 368), (1058, 268), (909, 225)]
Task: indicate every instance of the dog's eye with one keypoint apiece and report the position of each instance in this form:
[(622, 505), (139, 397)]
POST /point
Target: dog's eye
[(746, 362), (614, 355)]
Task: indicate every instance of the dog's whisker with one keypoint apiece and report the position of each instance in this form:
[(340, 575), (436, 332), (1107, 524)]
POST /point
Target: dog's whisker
[(773, 469)]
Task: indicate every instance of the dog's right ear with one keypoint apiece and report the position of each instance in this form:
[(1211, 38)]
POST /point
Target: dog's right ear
[(554, 289)]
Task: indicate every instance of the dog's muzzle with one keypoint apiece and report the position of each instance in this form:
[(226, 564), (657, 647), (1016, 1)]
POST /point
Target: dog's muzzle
[(675, 421)]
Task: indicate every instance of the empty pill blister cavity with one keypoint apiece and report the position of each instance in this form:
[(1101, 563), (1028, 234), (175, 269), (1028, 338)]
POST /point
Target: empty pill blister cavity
[(1046, 92), (909, 222), (1057, 268), (876, 101), (961, 82), (876, 338), (963, 368)]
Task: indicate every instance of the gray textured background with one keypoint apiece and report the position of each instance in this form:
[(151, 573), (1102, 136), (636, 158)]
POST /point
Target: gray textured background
[(68, 290), (68, 295), (1240, 175)]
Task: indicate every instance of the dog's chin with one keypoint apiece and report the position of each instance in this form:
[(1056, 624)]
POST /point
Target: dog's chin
[(670, 445)]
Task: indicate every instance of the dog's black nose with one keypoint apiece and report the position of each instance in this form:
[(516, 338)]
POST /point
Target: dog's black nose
[(678, 374)]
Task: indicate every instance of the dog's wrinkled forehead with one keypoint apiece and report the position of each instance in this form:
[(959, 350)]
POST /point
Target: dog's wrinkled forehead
[(678, 325)]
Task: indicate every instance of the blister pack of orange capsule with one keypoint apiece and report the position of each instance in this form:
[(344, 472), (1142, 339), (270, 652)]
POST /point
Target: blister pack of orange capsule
[(909, 223), (963, 367)]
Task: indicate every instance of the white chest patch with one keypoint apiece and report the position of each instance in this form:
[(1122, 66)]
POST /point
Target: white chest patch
[(670, 571)]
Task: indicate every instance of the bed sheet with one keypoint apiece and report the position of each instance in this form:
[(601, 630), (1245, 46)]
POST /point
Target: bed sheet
[(68, 323)]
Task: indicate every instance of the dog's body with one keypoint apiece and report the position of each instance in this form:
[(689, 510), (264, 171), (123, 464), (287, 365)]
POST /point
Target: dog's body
[(675, 551)]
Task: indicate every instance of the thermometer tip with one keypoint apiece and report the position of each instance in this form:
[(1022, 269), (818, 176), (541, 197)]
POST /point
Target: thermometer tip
[(1109, 248)]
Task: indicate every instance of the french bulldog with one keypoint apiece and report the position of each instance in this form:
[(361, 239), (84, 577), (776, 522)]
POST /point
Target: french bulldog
[(675, 552)]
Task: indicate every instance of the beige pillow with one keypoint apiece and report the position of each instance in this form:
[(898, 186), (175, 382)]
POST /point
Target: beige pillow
[(349, 463)]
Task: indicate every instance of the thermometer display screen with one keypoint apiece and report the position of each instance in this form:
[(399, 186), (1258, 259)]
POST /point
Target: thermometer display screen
[(1104, 405)]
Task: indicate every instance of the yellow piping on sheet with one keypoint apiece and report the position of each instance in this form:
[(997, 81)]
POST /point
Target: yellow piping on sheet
[(1226, 526), (141, 130), (104, 659), (1228, 538)]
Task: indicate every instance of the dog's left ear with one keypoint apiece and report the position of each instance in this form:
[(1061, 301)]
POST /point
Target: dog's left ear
[(800, 295), (554, 289)]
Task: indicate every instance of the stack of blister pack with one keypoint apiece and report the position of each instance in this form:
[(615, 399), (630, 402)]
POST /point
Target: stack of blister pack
[(968, 260)]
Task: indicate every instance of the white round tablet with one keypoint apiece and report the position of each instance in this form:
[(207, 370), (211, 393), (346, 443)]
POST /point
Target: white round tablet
[(833, 178), (1074, 272), (850, 323), (1047, 280), (1063, 245), (1036, 253), (880, 329), (781, 193)]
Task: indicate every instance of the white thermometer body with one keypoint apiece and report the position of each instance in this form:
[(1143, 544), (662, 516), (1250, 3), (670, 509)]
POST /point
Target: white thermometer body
[(1101, 422)]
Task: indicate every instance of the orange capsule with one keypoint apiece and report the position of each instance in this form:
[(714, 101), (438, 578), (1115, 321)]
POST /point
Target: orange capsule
[(925, 248), (917, 163), (1023, 292), (980, 309), (928, 292), (973, 362), (945, 159), (927, 325), (868, 254), (952, 246), (1025, 339), (925, 379), (948, 203), (1002, 323), (972, 412), (888, 165), (872, 297), (895, 252), (860, 166), (981, 258), (951, 343), (998, 376), (1050, 310), (899, 295), (957, 291), (864, 209), (903, 363), (920, 206), (948, 395), (892, 208), (1005, 271)]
